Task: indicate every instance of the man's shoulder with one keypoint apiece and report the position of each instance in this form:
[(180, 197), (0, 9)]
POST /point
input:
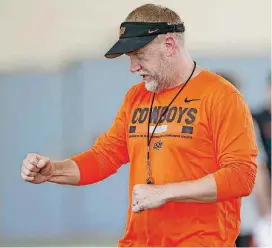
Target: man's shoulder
[(218, 87), (220, 83)]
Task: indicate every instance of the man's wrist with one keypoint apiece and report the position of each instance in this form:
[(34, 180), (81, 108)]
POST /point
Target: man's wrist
[(65, 172), (173, 191), (58, 167)]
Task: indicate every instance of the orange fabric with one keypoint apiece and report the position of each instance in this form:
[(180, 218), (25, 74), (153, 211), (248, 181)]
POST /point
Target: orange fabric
[(213, 133)]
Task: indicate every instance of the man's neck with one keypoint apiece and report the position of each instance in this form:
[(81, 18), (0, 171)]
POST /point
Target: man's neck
[(181, 69), (184, 70)]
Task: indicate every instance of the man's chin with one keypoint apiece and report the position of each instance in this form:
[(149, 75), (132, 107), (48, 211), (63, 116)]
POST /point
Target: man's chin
[(151, 86)]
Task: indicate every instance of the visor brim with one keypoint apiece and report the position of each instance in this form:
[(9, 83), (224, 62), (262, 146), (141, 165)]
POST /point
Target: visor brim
[(126, 45)]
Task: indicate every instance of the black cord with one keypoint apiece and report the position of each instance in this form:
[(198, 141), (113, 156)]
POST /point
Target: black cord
[(164, 112)]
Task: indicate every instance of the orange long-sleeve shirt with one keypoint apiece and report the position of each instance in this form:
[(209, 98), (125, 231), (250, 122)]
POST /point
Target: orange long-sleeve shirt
[(208, 129)]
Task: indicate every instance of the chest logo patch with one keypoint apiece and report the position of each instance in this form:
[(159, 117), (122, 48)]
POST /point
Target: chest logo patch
[(158, 145)]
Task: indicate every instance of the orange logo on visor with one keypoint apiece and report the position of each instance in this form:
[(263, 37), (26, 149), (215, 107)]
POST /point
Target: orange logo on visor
[(122, 30)]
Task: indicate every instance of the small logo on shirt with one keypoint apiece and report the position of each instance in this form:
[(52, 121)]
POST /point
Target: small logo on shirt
[(158, 145), (191, 100)]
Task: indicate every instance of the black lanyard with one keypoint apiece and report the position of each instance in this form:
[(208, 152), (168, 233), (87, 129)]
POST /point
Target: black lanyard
[(150, 180)]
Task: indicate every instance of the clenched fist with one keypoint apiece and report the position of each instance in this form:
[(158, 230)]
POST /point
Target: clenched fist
[(146, 196), (36, 169)]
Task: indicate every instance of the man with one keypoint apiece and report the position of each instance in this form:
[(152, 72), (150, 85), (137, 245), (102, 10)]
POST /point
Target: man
[(187, 134)]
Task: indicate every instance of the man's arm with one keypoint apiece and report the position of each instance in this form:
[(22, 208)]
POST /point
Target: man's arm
[(65, 172), (235, 148), (146, 196), (39, 169), (107, 154), (103, 159), (201, 190)]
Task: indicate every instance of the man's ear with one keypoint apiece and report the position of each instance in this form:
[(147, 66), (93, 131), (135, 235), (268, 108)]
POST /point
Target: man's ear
[(170, 45)]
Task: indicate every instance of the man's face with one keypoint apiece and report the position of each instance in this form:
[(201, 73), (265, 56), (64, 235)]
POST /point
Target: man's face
[(152, 64)]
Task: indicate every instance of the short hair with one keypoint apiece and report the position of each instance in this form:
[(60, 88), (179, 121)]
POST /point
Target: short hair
[(155, 13)]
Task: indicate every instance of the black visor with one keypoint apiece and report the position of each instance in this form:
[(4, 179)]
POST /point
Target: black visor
[(134, 35)]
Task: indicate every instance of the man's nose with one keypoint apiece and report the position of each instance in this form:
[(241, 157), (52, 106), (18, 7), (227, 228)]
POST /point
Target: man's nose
[(134, 66)]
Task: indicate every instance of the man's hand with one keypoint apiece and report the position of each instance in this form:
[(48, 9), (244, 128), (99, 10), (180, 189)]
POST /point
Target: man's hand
[(147, 196), (36, 169)]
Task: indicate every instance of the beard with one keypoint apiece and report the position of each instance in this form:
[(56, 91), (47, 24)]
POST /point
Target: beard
[(160, 82), (151, 85), (162, 78)]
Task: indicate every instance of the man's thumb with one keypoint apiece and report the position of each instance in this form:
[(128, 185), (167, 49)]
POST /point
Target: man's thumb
[(42, 162)]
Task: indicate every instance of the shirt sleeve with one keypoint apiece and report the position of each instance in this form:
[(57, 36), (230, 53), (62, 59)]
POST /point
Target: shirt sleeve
[(235, 147), (108, 153)]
